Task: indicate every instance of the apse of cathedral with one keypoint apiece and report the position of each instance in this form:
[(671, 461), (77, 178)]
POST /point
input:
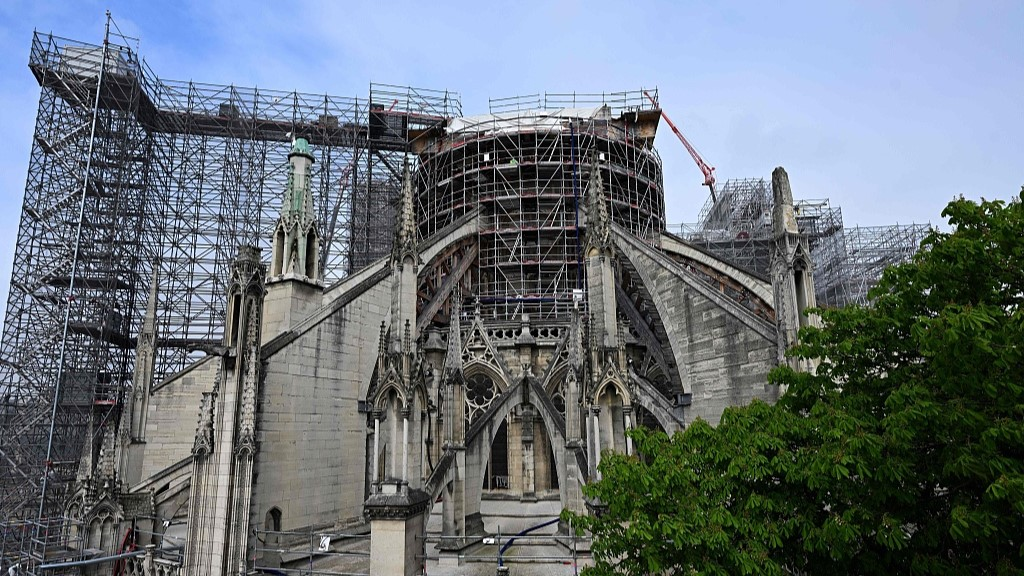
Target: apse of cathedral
[(531, 311)]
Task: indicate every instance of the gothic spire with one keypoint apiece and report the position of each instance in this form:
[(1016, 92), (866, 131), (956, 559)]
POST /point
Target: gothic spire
[(296, 238)]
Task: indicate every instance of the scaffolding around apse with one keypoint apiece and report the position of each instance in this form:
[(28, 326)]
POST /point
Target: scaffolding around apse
[(529, 164), (848, 262), (132, 180)]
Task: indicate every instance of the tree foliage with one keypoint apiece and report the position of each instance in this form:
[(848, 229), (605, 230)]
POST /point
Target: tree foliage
[(903, 453)]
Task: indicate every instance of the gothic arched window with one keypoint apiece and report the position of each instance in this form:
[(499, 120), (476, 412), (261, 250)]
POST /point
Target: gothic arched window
[(480, 393)]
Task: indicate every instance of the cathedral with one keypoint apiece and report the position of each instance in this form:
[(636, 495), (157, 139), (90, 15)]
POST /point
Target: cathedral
[(532, 310)]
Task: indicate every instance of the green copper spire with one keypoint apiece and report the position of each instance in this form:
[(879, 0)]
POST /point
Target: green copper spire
[(296, 239), (301, 146)]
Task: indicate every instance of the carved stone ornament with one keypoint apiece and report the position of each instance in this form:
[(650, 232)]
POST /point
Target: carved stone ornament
[(247, 424), (599, 232), (405, 244), (204, 432)]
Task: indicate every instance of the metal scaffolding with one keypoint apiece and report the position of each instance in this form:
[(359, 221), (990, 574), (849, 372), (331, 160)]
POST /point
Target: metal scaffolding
[(738, 226), (528, 166), (133, 179), (847, 261), (872, 249)]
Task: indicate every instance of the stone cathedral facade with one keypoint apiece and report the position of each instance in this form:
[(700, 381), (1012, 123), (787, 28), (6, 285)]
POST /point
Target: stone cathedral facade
[(531, 312)]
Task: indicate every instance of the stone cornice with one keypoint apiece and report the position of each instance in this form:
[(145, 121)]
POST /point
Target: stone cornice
[(399, 505)]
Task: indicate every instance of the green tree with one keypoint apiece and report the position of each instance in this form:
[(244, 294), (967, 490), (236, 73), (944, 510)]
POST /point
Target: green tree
[(902, 454)]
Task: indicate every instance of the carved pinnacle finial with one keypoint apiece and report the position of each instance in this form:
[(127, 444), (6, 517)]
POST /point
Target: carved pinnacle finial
[(405, 226), (453, 357), (203, 443), (598, 221)]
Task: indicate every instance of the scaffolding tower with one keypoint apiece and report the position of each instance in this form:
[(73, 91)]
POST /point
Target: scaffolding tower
[(847, 262), (134, 179)]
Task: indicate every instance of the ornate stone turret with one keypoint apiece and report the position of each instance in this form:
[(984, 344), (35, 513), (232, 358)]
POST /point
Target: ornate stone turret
[(397, 396), (295, 286), (225, 442), (792, 281), (397, 508), (404, 266)]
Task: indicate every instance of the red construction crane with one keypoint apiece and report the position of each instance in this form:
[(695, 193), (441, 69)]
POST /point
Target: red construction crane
[(709, 171)]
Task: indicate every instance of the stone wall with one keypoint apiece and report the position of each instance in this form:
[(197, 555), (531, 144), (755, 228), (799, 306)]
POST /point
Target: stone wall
[(312, 451), (288, 301), (727, 363), (173, 415)]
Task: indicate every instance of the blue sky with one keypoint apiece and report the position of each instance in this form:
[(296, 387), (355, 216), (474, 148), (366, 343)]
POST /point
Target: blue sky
[(890, 109)]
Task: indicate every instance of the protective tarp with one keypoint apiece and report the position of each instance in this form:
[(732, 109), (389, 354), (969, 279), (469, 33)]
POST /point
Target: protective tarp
[(538, 120)]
